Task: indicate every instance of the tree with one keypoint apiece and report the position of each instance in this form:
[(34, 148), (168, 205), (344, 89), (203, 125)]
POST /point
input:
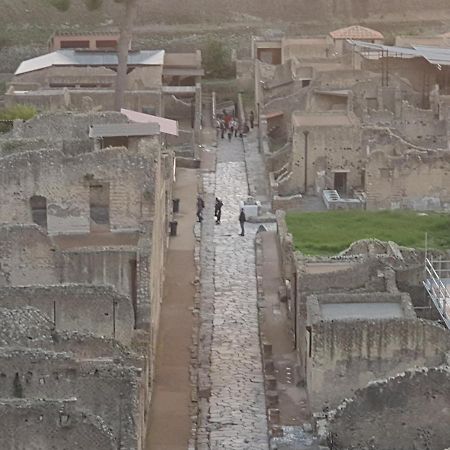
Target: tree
[(216, 59), (126, 31)]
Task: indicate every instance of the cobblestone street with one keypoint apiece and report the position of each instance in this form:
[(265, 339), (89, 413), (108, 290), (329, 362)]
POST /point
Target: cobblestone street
[(236, 416)]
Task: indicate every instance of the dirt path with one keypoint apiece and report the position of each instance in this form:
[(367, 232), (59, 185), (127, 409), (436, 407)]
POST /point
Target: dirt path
[(170, 422)]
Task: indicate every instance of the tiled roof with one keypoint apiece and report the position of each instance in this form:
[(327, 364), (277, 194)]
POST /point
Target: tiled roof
[(356, 32)]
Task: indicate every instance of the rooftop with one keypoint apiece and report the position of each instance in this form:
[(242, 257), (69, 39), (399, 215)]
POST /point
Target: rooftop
[(124, 129), (356, 32), (434, 55), (70, 57), (343, 311)]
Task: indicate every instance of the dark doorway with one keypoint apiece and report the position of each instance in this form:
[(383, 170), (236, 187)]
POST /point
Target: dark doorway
[(38, 206), (99, 203), (340, 182), (269, 55)]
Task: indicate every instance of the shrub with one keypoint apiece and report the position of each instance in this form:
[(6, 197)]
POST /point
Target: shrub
[(7, 115), (24, 112)]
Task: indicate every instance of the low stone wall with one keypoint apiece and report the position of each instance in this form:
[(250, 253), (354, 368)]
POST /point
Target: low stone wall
[(288, 260), (286, 203), (409, 411)]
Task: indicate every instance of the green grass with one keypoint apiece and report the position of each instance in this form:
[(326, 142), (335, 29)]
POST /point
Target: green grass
[(328, 233)]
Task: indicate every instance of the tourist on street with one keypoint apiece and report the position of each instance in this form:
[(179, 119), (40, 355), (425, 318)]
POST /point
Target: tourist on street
[(200, 207), (222, 128), (242, 220), (230, 133), (252, 119), (218, 210), (218, 128)]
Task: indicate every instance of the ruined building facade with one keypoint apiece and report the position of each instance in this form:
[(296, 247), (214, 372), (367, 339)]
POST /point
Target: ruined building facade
[(86, 203)]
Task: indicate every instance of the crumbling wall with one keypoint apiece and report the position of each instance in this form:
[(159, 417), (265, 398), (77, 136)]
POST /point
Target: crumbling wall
[(99, 310), (103, 389), (409, 411), (288, 263), (27, 256), (129, 174), (416, 180), (45, 424), (345, 355), (327, 276)]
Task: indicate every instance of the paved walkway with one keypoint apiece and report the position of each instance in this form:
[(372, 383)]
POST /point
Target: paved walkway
[(236, 417), (170, 414)]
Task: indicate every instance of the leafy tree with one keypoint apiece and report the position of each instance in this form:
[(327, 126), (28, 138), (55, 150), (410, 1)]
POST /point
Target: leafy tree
[(217, 60), (126, 29)]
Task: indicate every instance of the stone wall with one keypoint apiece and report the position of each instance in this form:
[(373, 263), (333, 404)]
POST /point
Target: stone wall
[(129, 175), (417, 180), (103, 389), (345, 355), (44, 424), (99, 310), (27, 256), (288, 261), (331, 148), (328, 276), (409, 411)]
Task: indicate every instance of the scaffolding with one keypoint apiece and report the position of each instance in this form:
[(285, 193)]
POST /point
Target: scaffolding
[(437, 283)]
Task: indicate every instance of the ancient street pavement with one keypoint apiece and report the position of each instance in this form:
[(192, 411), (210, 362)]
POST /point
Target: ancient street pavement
[(236, 417)]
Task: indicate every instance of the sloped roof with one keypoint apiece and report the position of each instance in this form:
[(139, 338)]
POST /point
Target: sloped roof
[(356, 32), (123, 129), (434, 55), (166, 126), (69, 57)]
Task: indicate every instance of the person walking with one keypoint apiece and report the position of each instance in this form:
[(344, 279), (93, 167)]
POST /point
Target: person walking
[(218, 210), (230, 133), (200, 207), (252, 119), (242, 220), (222, 129)]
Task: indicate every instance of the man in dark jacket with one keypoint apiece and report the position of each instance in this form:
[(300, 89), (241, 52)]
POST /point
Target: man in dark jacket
[(200, 206), (218, 210), (242, 220)]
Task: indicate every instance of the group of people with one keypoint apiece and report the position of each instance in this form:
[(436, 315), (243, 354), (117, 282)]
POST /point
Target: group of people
[(218, 213), (230, 125)]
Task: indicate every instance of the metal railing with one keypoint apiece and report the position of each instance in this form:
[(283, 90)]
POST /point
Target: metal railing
[(437, 291)]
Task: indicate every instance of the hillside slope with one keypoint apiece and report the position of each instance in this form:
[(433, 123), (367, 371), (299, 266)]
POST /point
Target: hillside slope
[(193, 11)]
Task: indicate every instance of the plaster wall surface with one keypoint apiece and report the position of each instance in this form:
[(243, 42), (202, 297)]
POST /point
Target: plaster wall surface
[(346, 354), (330, 147)]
